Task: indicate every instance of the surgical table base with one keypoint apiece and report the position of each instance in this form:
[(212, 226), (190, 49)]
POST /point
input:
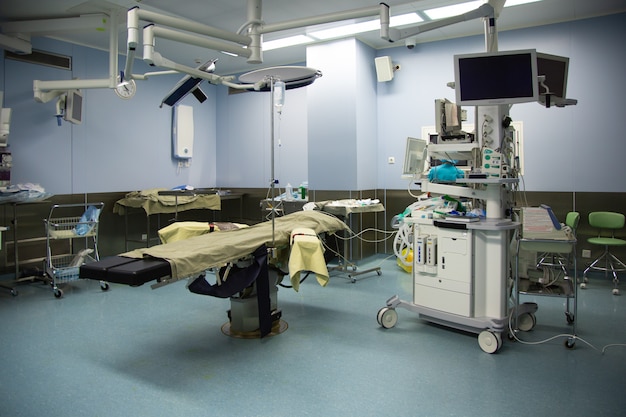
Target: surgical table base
[(253, 312)]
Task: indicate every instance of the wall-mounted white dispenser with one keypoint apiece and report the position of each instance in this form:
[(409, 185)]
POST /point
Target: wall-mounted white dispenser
[(182, 131)]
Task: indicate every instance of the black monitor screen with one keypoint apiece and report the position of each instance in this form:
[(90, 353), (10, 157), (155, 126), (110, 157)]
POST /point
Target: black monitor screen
[(498, 78)]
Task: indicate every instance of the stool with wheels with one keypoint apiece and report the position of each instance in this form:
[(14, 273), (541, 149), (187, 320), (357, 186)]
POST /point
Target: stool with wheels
[(607, 223)]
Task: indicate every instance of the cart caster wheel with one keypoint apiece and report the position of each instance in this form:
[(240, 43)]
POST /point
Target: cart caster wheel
[(526, 322), (510, 336), (104, 286), (489, 341), (570, 343), (14, 292), (615, 291), (387, 317), (569, 317), (583, 285), (379, 273), (58, 293)]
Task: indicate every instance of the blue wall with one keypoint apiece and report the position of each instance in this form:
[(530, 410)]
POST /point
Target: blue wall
[(125, 145)]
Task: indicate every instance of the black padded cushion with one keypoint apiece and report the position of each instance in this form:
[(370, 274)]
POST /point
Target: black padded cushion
[(129, 271), (98, 270)]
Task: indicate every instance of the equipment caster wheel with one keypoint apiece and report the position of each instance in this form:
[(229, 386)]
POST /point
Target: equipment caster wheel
[(583, 285), (58, 293), (615, 291), (104, 286), (570, 343), (14, 292), (379, 273), (387, 317), (489, 341), (526, 322)]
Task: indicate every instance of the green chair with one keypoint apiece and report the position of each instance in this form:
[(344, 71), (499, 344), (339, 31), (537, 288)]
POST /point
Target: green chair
[(559, 260), (607, 223)]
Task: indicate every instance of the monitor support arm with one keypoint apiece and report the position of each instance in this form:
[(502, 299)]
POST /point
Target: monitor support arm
[(488, 11)]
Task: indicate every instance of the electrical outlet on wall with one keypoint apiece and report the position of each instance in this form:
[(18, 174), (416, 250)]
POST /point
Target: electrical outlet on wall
[(586, 253)]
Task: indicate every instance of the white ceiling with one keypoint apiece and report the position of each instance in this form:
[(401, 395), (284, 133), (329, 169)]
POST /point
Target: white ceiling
[(230, 15)]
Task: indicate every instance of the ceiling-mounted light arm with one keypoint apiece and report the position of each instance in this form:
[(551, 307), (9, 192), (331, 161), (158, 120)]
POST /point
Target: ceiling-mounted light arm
[(204, 42), (44, 91), (43, 27), (16, 44), (253, 23), (385, 19), (393, 35), (135, 14), (47, 90), (160, 61), (147, 75)]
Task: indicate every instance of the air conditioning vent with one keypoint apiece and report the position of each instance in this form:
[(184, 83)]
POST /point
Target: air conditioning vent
[(42, 58)]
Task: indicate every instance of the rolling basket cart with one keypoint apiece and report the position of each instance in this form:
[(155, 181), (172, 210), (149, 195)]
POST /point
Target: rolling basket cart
[(78, 236)]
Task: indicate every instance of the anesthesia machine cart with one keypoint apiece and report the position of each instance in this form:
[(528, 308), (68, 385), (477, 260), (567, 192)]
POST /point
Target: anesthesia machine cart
[(461, 264)]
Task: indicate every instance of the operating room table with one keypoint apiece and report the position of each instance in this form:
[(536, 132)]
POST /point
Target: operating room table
[(193, 257)]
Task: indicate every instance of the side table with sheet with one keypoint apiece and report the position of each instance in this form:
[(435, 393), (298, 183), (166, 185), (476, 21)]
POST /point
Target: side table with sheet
[(162, 201), (344, 210)]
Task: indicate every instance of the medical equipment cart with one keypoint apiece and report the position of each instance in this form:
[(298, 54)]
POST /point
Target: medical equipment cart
[(555, 246), (460, 277), (461, 269), (78, 236)]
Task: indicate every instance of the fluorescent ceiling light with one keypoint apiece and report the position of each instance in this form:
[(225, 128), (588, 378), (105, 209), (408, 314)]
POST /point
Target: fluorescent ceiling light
[(285, 42), (510, 3), (453, 10), (371, 25), (458, 9), (353, 29)]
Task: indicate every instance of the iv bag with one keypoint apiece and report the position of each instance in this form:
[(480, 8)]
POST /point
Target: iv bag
[(279, 95)]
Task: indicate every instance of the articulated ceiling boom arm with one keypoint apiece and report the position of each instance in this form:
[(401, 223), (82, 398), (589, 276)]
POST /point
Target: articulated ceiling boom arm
[(394, 35)]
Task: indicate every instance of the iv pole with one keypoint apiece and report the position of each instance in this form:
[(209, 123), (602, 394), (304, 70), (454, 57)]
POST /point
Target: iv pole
[(272, 81)]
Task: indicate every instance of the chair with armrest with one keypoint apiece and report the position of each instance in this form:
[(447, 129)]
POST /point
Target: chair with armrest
[(607, 224)]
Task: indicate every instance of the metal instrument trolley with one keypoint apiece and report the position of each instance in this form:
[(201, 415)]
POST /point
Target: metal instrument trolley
[(71, 240), (555, 247)]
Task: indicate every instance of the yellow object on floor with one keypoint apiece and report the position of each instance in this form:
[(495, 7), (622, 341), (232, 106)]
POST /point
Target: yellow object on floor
[(409, 259), (307, 254)]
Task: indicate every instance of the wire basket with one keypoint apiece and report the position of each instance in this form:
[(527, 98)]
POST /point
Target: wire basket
[(62, 270), (65, 227)]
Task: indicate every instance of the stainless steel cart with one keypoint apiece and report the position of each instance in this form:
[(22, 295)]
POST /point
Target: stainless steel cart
[(71, 240), (557, 282)]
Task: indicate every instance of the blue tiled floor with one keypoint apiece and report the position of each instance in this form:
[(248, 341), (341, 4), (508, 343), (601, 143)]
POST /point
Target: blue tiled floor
[(143, 352)]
